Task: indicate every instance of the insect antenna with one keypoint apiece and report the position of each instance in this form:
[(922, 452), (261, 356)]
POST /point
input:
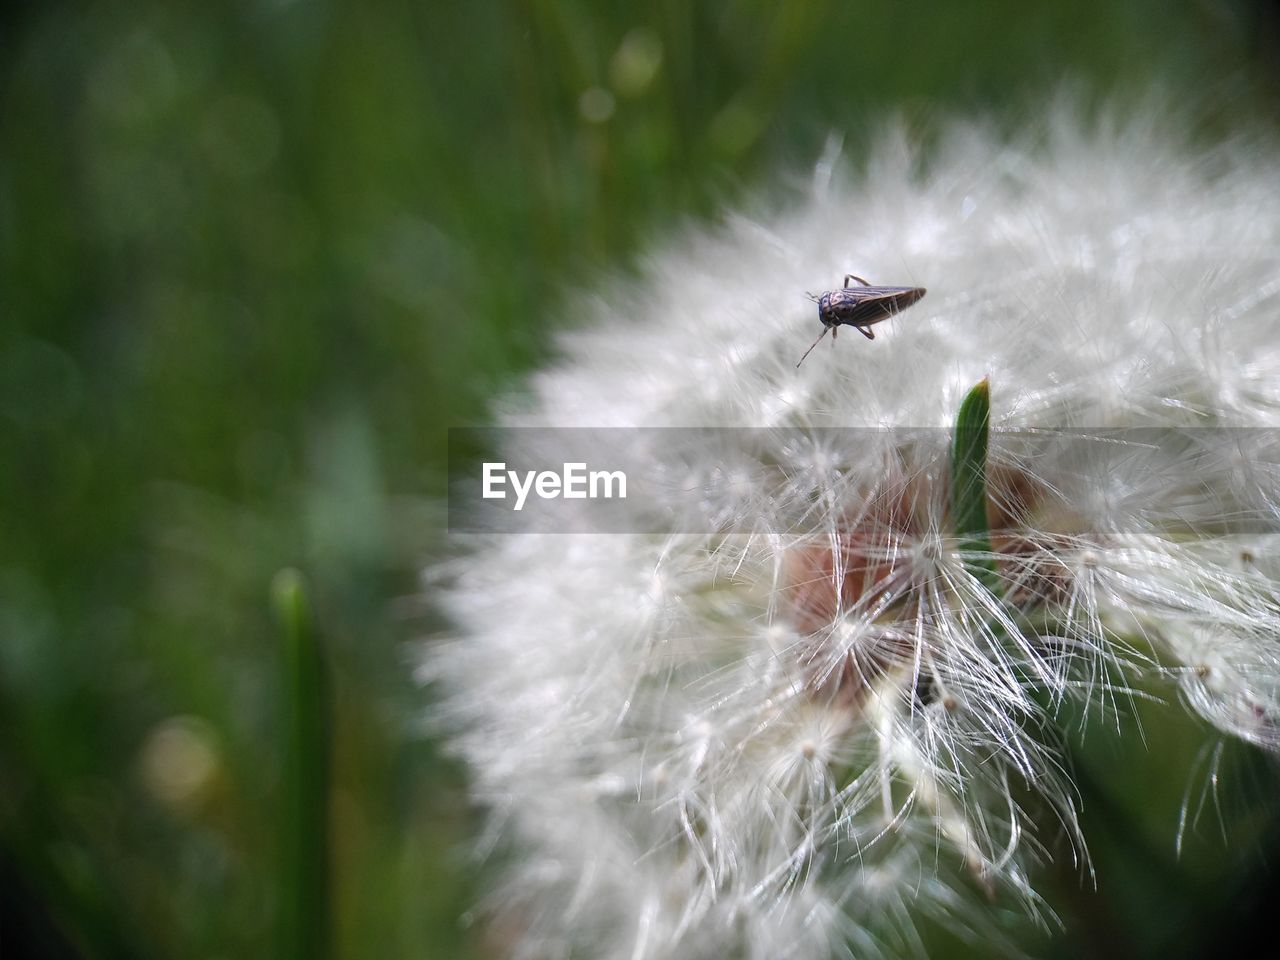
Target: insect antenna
[(814, 344)]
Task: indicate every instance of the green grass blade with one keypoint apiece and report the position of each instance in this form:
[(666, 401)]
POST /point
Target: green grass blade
[(304, 785)]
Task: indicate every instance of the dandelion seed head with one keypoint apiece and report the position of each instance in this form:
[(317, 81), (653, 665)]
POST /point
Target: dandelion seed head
[(770, 740)]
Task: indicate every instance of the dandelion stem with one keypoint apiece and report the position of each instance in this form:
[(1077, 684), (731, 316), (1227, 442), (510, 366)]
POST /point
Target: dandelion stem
[(304, 787), (969, 484)]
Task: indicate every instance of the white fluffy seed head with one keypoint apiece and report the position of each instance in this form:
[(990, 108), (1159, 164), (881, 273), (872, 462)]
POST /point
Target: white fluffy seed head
[(764, 743)]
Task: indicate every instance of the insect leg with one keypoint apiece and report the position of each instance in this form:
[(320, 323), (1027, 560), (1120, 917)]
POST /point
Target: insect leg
[(814, 344), (866, 332), (850, 276)]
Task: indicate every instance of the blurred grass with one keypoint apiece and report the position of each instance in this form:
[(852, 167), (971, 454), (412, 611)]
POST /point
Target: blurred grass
[(255, 257), (302, 816)]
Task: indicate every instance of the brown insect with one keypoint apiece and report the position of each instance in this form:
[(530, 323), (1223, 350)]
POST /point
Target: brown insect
[(860, 307)]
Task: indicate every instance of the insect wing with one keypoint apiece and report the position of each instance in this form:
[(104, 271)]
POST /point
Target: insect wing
[(861, 306)]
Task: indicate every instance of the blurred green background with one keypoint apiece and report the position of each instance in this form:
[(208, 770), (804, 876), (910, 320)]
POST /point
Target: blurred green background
[(255, 257)]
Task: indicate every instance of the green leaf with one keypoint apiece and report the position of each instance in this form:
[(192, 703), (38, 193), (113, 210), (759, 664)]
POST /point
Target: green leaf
[(969, 483)]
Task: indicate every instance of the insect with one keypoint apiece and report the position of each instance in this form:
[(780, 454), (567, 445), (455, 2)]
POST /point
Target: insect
[(860, 307)]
